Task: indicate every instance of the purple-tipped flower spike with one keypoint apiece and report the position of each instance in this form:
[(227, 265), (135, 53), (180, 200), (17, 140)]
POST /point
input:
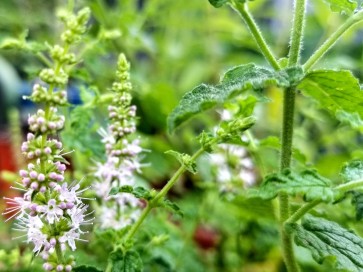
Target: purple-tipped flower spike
[(122, 155), (51, 212)]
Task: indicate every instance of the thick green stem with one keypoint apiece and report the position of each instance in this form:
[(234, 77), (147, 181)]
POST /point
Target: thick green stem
[(302, 211), (159, 196), (286, 151), (297, 32), (59, 253), (329, 43), (256, 33)]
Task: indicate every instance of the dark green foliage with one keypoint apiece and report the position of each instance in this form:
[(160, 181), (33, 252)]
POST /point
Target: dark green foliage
[(329, 241), (234, 82)]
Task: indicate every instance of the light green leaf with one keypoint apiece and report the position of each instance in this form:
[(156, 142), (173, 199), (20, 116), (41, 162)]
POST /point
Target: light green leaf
[(342, 6), (336, 91), (307, 183), (329, 241), (352, 171), (166, 203), (184, 159), (352, 119), (235, 81)]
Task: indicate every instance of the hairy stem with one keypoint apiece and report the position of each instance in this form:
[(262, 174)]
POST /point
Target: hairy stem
[(297, 32), (285, 161), (302, 211), (159, 196), (256, 33), (329, 43)]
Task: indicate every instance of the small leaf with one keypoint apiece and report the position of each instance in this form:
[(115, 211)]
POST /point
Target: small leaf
[(308, 183), (129, 261), (218, 3), (172, 206), (336, 91), (138, 192), (235, 82), (84, 268), (352, 119), (184, 159), (329, 241), (342, 6), (352, 171)]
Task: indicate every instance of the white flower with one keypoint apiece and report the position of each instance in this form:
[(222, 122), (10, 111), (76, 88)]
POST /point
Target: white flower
[(77, 215), (17, 207), (52, 211), (70, 237)]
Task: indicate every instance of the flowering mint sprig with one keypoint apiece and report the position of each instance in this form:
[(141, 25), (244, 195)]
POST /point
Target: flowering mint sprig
[(51, 211), (122, 160)]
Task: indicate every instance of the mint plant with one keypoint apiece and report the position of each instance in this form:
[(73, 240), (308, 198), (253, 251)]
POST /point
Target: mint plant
[(335, 90), (52, 212)]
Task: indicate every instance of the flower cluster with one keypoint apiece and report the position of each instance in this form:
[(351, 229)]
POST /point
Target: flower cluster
[(231, 164), (51, 212), (122, 160)]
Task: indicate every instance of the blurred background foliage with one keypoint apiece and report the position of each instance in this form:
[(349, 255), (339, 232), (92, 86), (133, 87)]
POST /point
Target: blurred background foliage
[(173, 46)]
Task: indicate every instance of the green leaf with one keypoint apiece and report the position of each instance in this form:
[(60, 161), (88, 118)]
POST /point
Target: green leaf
[(218, 3), (342, 6), (166, 203), (352, 119), (86, 268), (336, 91), (234, 82), (184, 159), (138, 192), (307, 183), (128, 261), (352, 171), (329, 241), (357, 201)]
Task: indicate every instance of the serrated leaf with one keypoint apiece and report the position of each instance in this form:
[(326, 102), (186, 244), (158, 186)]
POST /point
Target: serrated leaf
[(166, 203), (138, 192), (307, 183), (342, 6), (336, 91), (235, 81), (86, 268), (352, 171), (128, 261), (184, 159), (328, 240)]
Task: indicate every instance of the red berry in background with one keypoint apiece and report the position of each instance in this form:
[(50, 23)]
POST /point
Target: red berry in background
[(206, 237)]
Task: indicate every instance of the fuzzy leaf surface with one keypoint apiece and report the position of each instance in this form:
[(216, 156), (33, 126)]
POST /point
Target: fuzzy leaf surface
[(336, 91), (234, 82), (352, 171), (128, 261), (342, 6), (329, 241), (307, 183)]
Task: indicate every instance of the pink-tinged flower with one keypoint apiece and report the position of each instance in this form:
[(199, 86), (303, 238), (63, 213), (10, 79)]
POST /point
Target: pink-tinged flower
[(17, 206), (52, 211), (70, 237)]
